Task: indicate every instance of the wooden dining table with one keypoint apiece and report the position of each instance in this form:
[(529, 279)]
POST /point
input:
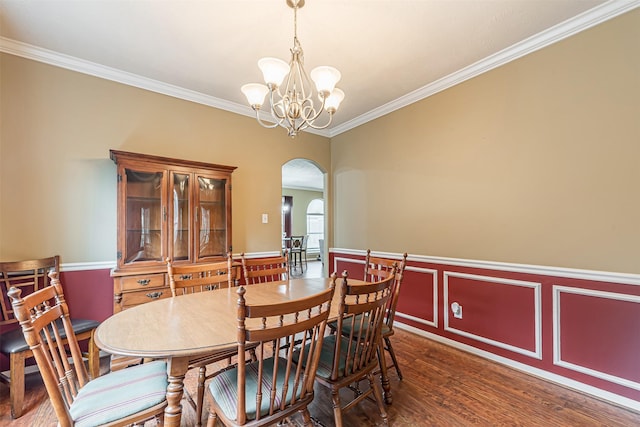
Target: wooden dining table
[(182, 328)]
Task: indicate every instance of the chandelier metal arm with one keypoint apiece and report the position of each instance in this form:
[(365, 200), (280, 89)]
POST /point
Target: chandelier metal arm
[(265, 125)]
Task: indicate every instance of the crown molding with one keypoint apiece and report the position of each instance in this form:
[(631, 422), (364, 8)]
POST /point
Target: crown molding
[(552, 35), (72, 63), (568, 28)]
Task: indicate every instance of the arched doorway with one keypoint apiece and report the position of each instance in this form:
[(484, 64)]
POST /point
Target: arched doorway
[(303, 182)]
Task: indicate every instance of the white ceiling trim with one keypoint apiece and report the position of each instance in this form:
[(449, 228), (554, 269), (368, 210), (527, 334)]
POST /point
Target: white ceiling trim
[(552, 35), (72, 63), (536, 42)]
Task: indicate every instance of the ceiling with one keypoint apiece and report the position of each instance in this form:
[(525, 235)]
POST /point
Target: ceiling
[(391, 53), (301, 174)]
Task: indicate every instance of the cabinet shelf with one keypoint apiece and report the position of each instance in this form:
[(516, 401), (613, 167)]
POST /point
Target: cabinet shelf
[(144, 199)]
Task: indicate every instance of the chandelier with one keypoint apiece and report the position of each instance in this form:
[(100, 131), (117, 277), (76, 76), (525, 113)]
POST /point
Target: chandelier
[(296, 104)]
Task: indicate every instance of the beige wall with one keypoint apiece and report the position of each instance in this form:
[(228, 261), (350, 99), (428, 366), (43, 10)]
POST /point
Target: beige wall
[(301, 199), (58, 186), (535, 162)]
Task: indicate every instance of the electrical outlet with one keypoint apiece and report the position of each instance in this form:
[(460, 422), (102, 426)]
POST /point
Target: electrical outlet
[(456, 309), (458, 314)]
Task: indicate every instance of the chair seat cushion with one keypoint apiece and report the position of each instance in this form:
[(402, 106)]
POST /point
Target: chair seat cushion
[(346, 327), (224, 388), (325, 365), (119, 394), (13, 341)]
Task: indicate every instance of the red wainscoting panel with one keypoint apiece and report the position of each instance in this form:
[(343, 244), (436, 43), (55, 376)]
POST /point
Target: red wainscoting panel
[(354, 266), (570, 326), (593, 334), (498, 311), (89, 293), (419, 302)]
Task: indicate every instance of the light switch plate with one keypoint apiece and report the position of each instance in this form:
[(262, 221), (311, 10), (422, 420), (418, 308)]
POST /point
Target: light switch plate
[(265, 218)]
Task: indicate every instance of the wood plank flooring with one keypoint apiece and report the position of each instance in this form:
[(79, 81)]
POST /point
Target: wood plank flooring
[(442, 386)]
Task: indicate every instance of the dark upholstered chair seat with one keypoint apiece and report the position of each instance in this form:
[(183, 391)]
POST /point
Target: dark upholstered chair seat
[(13, 341), (346, 328), (326, 356)]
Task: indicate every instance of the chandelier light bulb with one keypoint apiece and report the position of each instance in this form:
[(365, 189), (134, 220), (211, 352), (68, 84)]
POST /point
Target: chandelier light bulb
[(325, 78), (255, 93), (333, 101), (274, 70)]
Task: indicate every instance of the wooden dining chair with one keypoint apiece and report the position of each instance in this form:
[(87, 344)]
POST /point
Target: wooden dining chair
[(30, 276), (119, 398), (378, 268), (193, 278), (273, 387), (352, 356), (265, 270)]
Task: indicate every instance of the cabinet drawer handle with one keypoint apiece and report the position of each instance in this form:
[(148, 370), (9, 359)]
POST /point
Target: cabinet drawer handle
[(154, 295), (144, 282)]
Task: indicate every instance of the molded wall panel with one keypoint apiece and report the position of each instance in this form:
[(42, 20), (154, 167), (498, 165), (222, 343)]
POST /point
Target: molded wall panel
[(571, 326)]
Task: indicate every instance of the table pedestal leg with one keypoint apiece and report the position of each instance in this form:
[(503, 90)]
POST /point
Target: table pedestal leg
[(176, 371)]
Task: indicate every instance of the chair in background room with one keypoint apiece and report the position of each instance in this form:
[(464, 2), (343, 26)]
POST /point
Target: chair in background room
[(273, 387), (352, 356), (298, 252), (263, 270), (30, 276), (194, 278), (119, 398), (377, 268)]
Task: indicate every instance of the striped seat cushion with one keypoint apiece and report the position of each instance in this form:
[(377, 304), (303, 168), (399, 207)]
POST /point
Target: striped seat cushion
[(119, 394), (325, 365), (224, 388), (346, 327)]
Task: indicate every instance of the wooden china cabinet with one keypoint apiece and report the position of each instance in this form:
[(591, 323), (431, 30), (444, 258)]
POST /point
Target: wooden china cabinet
[(168, 209)]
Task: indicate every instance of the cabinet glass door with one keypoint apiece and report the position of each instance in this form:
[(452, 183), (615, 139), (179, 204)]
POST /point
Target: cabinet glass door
[(180, 216), (211, 217), (143, 216)]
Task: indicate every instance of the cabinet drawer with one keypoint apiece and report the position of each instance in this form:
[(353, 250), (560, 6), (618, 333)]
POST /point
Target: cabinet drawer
[(141, 297), (136, 283)]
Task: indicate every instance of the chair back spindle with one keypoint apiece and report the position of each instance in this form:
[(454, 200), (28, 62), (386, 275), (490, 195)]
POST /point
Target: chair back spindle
[(193, 278), (377, 268)]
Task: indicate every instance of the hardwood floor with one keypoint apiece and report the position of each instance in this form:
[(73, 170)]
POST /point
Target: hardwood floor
[(442, 386)]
